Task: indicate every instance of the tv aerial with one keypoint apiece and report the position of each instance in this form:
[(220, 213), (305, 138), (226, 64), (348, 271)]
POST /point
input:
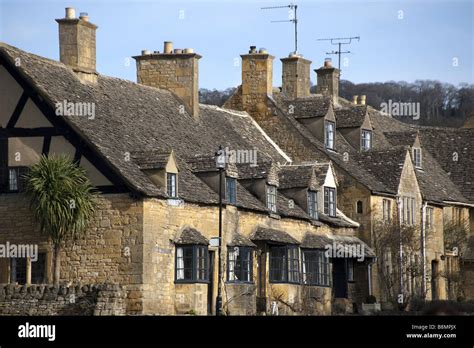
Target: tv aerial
[(292, 19), (339, 41)]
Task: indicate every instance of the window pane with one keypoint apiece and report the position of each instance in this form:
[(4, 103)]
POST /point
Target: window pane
[(278, 264), (171, 184), (38, 270), (18, 270)]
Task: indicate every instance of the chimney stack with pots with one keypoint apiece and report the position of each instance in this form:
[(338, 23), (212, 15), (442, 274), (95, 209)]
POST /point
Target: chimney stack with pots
[(257, 80), (176, 70), (328, 80), (77, 44), (295, 76)]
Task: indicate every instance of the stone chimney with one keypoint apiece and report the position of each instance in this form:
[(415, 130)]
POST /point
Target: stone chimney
[(295, 76), (77, 44), (174, 70), (328, 80), (362, 99), (257, 81)]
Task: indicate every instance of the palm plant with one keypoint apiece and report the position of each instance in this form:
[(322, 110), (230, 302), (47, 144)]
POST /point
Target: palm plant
[(61, 199)]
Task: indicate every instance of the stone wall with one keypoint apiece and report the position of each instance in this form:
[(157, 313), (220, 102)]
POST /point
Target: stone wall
[(103, 299)]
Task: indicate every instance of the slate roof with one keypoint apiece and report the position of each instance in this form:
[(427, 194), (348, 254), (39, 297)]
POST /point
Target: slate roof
[(386, 165), (312, 106), (348, 241), (272, 235), (241, 240), (152, 159), (315, 241), (190, 235), (295, 176), (132, 118), (350, 117), (443, 144)]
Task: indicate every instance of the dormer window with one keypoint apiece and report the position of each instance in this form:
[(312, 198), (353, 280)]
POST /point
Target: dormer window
[(417, 157), (312, 204), (271, 198), (231, 190), (171, 185), (330, 201), (366, 140), (329, 135)]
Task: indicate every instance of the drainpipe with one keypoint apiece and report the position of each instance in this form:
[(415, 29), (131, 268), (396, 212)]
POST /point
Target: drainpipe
[(399, 206), (423, 245)]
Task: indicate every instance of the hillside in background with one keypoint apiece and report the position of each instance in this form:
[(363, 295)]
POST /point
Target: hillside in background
[(441, 104)]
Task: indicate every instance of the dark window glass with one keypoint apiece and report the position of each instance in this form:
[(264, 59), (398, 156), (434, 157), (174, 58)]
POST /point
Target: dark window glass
[(192, 263), (231, 190), (350, 270), (171, 185), (239, 264), (330, 201), (38, 270), (284, 264), (18, 270), (316, 268), (387, 210), (359, 207), (312, 204)]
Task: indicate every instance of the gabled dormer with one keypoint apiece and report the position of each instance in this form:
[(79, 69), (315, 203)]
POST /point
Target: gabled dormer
[(300, 183), (263, 182), (161, 167), (354, 124), (204, 167), (327, 194)]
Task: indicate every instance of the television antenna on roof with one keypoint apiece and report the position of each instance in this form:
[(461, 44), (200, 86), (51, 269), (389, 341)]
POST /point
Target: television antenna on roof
[(340, 41), (292, 19)]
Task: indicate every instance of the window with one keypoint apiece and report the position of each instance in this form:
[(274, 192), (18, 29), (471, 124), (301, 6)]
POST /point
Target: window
[(271, 198), (38, 269), (231, 190), (329, 135), (316, 270), (239, 264), (18, 270), (429, 217), (408, 210), (350, 270), (366, 140), (16, 182), (284, 264), (359, 207), (417, 157), (312, 204), (171, 185), (192, 263), (330, 201), (387, 210)]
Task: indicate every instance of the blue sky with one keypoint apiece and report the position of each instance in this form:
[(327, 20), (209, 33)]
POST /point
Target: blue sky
[(421, 42)]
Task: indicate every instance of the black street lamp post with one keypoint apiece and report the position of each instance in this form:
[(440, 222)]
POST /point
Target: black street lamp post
[(220, 164)]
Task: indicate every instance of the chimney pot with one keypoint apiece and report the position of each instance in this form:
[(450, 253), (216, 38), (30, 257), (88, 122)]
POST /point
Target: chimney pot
[(262, 51), (362, 99), (168, 47), (146, 52), (328, 63), (253, 49), (178, 51), (354, 99), (188, 50), (84, 16), (70, 13)]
